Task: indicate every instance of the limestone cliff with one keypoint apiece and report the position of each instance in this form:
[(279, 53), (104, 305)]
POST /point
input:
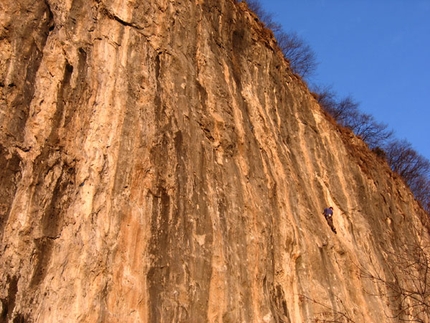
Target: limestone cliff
[(161, 163)]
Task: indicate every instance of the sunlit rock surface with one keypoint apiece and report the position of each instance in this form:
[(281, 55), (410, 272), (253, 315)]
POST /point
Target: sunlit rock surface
[(161, 163)]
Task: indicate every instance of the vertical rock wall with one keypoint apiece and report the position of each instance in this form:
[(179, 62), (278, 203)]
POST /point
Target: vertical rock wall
[(161, 163)]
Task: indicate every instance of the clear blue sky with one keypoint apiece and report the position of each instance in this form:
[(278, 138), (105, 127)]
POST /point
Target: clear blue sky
[(378, 51)]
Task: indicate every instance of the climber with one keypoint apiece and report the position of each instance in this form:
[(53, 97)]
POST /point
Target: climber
[(328, 214)]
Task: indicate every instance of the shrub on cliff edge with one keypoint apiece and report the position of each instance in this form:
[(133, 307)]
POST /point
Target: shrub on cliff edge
[(300, 55)]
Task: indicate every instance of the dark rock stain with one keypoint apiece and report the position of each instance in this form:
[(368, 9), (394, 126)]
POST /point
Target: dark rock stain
[(9, 179), (34, 32), (8, 303)]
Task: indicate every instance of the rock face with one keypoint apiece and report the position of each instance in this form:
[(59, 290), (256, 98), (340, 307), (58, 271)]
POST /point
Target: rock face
[(161, 163)]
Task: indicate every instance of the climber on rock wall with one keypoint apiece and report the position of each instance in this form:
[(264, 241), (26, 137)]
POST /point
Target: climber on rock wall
[(328, 214)]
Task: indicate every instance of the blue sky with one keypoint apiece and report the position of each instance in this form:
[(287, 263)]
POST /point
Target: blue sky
[(377, 51)]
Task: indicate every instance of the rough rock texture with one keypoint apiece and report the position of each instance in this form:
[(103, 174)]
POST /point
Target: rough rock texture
[(160, 163)]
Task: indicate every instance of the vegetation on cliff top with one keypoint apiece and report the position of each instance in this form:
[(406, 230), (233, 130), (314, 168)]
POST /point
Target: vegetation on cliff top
[(399, 154)]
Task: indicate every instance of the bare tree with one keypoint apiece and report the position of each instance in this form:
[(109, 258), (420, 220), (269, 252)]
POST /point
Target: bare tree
[(326, 97), (346, 112), (374, 133), (421, 189), (404, 160), (300, 55), (413, 167), (329, 313), (407, 283), (265, 16)]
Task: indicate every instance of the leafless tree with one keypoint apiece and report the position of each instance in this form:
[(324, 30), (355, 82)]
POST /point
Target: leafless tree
[(413, 167), (300, 55), (406, 283), (265, 16), (404, 160), (329, 314), (346, 112), (403, 284), (326, 97), (421, 189), (372, 132)]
